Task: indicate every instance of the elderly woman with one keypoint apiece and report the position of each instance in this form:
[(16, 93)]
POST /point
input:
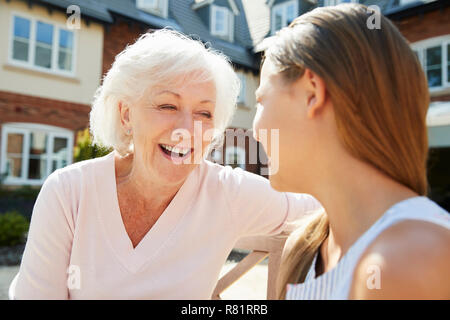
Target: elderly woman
[(153, 219)]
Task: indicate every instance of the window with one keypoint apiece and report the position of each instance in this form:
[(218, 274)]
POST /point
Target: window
[(433, 54), (222, 22), (242, 92), (42, 45), (235, 157), (30, 152), (336, 2), (283, 14), (157, 7)]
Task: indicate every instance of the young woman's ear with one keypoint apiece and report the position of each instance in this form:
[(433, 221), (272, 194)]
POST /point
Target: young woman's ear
[(316, 93)]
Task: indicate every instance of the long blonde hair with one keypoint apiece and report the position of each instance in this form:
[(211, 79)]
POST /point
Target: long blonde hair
[(380, 98)]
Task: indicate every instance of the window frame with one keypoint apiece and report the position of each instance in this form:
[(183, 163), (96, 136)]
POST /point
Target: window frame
[(229, 19), (32, 46), (25, 129), (283, 6), (162, 12), (421, 46)]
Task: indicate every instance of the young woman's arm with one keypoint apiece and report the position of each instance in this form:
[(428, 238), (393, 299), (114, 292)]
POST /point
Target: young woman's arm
[(43, 270), (406, 261)]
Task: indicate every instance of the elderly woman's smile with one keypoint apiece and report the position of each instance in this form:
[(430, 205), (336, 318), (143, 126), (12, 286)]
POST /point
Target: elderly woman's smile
[(166, 122), (175, 152)]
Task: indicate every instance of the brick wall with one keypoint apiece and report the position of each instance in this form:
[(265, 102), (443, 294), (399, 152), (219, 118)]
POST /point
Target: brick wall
[(23, 108), (116, 38), (428, 25)]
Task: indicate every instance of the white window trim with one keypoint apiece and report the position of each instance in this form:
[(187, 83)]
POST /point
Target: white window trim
[(32, 46), (283, 5), (164, 4), (241, 155), (229, 17), (421, 46), (25, 128), (243, 79)]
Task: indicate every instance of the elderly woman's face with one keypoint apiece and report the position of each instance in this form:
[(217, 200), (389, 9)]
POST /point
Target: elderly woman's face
[(159, 116)]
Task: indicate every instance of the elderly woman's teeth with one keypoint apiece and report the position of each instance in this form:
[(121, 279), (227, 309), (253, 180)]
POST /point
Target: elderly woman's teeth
[(174, 150)]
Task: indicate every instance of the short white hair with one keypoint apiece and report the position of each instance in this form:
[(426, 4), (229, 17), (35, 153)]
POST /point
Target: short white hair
[(159, 58)]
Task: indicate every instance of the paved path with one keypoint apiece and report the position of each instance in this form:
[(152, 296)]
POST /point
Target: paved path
[(252, 285), (6, 276)]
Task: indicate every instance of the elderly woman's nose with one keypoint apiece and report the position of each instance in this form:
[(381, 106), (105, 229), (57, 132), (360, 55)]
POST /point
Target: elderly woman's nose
[(186, 121)]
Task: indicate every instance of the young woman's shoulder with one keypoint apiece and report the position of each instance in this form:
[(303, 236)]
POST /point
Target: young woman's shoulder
[(409, 260)]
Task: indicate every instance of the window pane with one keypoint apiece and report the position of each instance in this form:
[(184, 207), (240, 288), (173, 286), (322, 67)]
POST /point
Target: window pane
[(152, 4), (44, 33), (37, 166), (15, 143), (434, 66), (59, 153), (278, 19), (21, 27), (434, 78), (65, 60), (43, 57), (235, 157), (60, 146), (14, 154), (65, 39), (448, 63), (20, 50), (38, 143), (290, 13), (220, 21), (434, 56)]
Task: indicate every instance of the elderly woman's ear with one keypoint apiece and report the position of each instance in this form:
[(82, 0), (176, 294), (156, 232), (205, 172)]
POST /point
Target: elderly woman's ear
[(124, 111)]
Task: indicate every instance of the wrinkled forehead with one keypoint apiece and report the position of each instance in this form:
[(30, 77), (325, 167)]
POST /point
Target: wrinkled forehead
[(184, 87)]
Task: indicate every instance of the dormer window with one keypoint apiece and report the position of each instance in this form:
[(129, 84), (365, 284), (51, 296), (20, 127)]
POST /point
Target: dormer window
[(283, 14), (156, 7), (222, 22)]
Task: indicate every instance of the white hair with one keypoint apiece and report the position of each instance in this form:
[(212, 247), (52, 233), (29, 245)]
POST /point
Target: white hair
[(156, 58)]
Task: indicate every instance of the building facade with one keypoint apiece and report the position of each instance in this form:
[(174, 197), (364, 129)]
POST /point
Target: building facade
[(49, 71), (48, 75)]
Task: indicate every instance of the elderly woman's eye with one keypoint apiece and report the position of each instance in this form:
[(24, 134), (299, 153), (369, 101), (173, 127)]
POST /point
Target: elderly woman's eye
[(167, 107), (206, 114)]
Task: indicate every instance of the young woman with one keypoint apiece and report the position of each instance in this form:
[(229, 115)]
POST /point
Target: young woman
[(350, 105)]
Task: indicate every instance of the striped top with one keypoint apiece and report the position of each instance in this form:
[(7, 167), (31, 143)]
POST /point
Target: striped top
[(335, 284)]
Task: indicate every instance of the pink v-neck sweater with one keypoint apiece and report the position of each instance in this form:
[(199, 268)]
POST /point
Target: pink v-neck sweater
[(78, 247)]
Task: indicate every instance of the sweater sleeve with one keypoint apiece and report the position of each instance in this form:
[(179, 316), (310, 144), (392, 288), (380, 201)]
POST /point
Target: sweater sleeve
[(258, 209), (45, 262)]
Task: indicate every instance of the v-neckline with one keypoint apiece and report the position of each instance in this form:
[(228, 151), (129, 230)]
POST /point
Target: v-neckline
[(134, 258)]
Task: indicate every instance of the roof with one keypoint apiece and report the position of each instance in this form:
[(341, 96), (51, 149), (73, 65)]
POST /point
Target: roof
[(181, 17)]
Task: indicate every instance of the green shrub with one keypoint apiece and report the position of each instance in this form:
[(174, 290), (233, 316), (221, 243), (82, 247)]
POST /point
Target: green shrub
[(13, 227), (84, 148)]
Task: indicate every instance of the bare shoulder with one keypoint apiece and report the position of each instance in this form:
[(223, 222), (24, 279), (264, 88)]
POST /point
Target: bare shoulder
[(410, 260)]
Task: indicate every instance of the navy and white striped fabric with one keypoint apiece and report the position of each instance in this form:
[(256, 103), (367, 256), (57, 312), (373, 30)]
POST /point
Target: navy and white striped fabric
[(336, 283)]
